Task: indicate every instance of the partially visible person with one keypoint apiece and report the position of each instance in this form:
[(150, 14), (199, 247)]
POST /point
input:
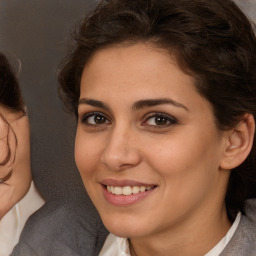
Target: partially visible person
[(19, 197)]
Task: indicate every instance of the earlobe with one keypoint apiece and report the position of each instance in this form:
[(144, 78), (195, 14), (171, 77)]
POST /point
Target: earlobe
[(239, 143)]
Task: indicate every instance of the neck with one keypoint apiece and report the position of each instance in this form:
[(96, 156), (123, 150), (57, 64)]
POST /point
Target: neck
[(192, 238)]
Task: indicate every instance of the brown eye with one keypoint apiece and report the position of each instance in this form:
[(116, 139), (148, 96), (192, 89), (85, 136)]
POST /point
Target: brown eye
[(95, 119), (161, 120), (99, 119)]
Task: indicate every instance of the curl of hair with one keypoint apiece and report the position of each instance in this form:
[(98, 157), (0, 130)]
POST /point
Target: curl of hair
[(212, 40), (11, 99)]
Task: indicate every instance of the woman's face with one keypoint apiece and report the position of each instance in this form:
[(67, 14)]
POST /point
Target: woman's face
[(147, 146), (18, 135)]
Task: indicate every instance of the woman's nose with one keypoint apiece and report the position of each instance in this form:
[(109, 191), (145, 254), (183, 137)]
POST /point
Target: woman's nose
[(121, 151)]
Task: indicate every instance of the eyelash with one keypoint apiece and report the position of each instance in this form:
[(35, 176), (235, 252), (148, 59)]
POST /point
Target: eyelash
[(169, 119)]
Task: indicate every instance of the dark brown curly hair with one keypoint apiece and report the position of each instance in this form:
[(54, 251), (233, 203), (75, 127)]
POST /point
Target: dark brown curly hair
[(11, 99), (212, 40)]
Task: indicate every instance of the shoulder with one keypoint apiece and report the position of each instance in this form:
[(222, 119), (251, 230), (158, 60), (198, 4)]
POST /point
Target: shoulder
[(243, 242), (62, 229)]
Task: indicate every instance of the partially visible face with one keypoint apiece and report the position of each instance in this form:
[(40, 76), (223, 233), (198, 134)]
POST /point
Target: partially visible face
[(18, 135), (147, 146)]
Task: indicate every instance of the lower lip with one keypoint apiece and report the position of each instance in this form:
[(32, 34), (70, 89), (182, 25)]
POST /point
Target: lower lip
[(122, 200)]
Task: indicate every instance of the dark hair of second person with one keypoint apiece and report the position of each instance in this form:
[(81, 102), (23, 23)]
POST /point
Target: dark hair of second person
[(10, 98), (19, 197)]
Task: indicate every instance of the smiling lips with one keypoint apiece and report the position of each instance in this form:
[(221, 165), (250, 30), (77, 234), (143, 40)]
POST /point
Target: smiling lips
[(126, 192)]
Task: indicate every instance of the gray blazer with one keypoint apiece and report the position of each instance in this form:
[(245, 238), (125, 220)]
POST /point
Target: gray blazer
[(62, 230), (243, 242)]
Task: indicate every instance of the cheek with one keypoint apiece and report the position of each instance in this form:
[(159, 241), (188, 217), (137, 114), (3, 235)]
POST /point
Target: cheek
[(22, 161), (82, 153), (87, 158), (189, 173), (186, 161), (3, 144), (23, 147), (87, 154)]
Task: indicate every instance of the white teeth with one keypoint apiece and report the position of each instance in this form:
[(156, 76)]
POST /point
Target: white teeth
[(135, 190), (142, 189), (118, 190), (127, 190)]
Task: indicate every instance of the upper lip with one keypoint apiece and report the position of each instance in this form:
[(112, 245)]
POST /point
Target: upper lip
[(123, 183)]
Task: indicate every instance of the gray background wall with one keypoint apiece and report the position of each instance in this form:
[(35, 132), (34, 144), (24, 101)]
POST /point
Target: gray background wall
[(35, 31)]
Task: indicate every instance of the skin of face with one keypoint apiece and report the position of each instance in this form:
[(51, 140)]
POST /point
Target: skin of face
[(142, 121), (18, 184)]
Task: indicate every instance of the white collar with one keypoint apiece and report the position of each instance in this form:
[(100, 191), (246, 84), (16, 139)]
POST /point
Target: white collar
[(219, 247), (117, 246), (13, 222)]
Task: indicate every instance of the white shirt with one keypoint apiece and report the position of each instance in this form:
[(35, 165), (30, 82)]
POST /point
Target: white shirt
[(117, 246), (13, 222)]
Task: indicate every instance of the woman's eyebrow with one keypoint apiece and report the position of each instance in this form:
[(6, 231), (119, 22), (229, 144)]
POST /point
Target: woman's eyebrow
[(94, 103), (155, 102), (137, 105)]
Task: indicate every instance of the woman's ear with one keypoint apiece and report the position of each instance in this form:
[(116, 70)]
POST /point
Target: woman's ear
[(239, 143)]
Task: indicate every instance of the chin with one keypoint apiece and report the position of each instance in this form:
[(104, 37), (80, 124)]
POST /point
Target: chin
[(126, 227)]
